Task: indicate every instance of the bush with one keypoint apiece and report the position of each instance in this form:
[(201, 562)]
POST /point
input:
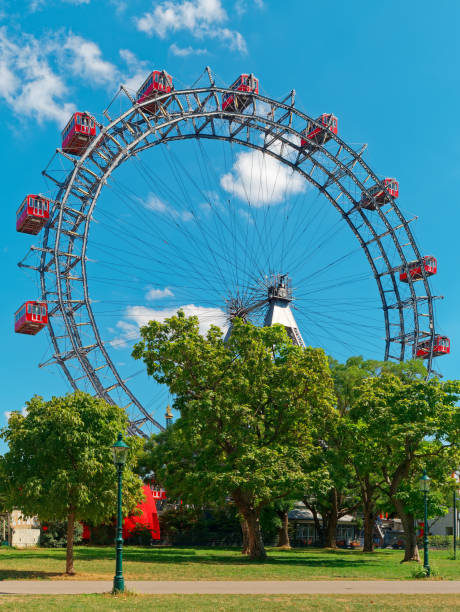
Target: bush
[(102, 535), (54, 535), (443, 542), (139, 536), (420, 572), (198, 527)]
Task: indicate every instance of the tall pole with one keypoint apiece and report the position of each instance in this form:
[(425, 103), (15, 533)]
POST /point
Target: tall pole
[(426, 563), (455, 524), (118, 580)]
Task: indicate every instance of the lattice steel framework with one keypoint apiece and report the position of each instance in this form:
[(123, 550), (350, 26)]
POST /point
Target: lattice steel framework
[(273, 127)]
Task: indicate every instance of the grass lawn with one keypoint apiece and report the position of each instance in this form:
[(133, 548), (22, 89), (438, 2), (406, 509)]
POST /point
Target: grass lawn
[(168, 563), (228, 603)]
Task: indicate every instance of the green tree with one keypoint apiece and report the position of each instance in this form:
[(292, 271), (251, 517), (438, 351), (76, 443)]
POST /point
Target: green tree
[(59, 464), (252, 410), (403, 422)]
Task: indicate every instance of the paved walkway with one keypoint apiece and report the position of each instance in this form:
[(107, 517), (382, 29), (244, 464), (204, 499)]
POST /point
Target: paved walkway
[(233, 587)]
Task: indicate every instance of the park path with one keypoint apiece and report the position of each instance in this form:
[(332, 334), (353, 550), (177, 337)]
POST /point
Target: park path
[(233, 587)]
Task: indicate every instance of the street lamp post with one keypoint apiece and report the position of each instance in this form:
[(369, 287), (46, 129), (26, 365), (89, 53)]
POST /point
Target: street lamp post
[(425, 487), (119, 452)]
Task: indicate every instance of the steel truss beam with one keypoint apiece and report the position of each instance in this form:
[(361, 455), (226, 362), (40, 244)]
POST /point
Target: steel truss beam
[(193, 113)]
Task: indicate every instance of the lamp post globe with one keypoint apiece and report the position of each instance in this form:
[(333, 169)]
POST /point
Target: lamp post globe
[(425, 487), (120, 454)]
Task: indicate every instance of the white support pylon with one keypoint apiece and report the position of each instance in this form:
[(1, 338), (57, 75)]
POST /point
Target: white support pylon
[(279, 308)]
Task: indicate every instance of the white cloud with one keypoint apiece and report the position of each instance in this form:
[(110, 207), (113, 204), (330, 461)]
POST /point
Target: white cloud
[(141, 315), (260, 179), (120, 6), (35, 72), (137, 70), (158, 294), (35, 5), (184, 51), (152, 202), (86, 60), (137, 316), (28, 83), (201, 18), (23, 411)]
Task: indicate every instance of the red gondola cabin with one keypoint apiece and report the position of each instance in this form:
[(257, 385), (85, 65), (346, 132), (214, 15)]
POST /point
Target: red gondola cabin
[(78, 133), (31, 318), (158, 82), (33, 214), (245, 83), (441, 346), (428, 263), (319, 135), (381, 196)]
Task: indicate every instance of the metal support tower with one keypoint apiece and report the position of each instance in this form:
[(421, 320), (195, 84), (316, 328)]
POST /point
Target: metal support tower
[(279, 298), (279, 307)]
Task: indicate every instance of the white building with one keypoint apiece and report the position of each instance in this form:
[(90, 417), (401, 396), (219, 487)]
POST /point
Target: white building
[(18, 530), (444, 525)]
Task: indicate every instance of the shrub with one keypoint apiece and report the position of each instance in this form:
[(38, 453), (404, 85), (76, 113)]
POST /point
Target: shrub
[(444, 542), (139, 536), (54, 535), (420, 572), (198, 527)]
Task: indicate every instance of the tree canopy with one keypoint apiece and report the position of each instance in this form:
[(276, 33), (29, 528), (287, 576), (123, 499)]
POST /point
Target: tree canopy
[(59, 464), (253, 409)]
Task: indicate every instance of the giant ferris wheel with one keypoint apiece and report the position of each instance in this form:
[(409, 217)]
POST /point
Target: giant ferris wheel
[(223, 202)]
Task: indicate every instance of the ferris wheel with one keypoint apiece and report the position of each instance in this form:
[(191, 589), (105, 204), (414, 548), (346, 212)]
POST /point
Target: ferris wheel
[(225, 202)]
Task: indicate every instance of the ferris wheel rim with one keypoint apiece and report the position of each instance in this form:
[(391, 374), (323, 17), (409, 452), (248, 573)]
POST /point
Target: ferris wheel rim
[(188, 116)]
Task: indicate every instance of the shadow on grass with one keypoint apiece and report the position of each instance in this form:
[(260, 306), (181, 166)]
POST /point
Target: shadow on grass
[(6, 574), (230, 556)]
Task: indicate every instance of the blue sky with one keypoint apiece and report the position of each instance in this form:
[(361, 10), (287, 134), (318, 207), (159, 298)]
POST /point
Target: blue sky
[(388, 70)]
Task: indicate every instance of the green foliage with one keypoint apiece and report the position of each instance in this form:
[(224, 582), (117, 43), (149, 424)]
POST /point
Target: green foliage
[(252, 409), (59, 460), (54, 534), (196, 527), (445, 542), (139, 536), (419, 571), (103, 535)]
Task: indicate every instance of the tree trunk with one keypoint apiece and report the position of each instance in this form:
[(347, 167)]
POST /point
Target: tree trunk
[(283, 533), (70, 530), (333, 519), (245, 533), (369, 522), (256, 544), (411, 552)]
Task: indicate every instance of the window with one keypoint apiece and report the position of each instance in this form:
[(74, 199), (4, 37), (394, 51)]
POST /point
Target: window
[(20, 313), (29, 308), (35, 309), (306, 532), (21, 210), (43, 309)]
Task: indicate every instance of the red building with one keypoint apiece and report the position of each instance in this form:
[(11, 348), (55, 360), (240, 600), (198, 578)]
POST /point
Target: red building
[(147, 520)]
